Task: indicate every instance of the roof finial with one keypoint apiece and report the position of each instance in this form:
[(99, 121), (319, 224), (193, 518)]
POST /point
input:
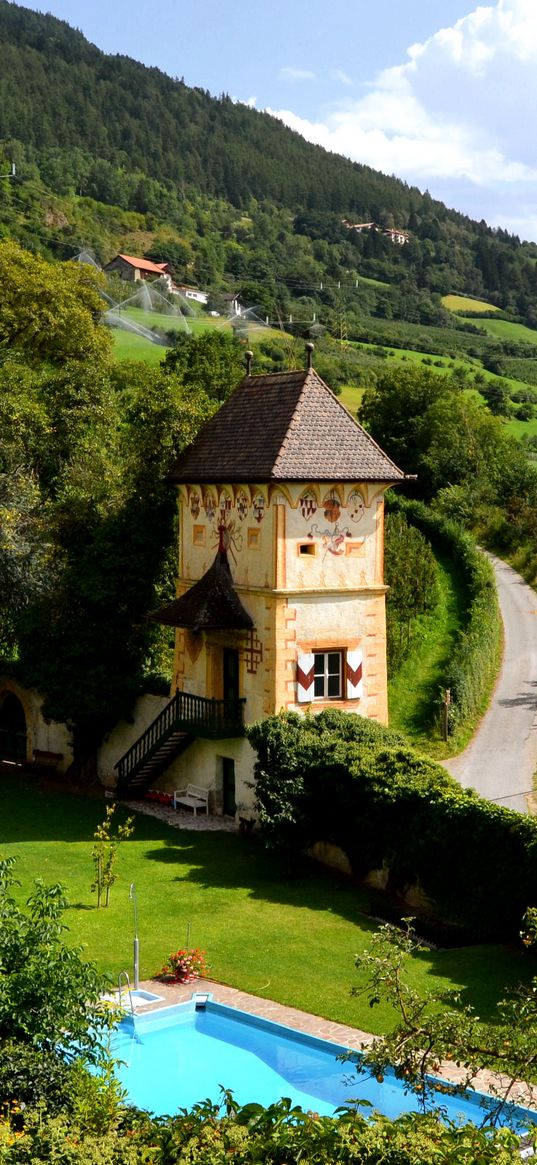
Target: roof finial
[(249, 357), (310, 348)]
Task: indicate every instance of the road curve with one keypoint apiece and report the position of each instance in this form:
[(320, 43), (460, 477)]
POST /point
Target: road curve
[(501, 759)]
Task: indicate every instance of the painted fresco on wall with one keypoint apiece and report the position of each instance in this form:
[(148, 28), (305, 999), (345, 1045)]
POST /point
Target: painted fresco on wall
[(194, 504), (355, 506), (332, 507), (333, 541), (259, 507), (242, 505), (308, 505), (209, 504)]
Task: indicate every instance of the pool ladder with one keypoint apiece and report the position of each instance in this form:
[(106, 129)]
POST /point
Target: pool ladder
[(125, 974)]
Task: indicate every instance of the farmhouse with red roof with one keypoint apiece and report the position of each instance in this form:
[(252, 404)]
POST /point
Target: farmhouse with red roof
[(134, 269)]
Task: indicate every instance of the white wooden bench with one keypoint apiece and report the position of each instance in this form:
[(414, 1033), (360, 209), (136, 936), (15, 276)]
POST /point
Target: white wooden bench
[(194, 796)]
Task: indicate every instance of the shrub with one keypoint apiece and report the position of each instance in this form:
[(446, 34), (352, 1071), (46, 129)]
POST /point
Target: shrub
[(30, 1075), (46, 988), (386, 806)]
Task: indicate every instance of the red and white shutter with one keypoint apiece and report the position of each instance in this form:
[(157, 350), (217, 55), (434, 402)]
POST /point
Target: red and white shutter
[(305, 674), (353, 675)]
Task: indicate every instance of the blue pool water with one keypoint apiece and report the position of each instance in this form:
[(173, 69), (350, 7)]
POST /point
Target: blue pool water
[(178, 1056)]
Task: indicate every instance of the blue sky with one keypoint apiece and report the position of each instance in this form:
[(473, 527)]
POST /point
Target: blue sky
[(442, 93)]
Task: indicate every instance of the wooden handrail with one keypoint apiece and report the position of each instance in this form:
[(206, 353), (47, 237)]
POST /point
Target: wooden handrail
[(194, 714)]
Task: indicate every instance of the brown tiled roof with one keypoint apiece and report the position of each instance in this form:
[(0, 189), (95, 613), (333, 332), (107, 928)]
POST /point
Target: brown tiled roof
[(142, 264), (210, 605), (287, 426)]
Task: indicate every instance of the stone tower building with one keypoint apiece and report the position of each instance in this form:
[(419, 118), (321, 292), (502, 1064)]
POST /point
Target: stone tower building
[(280, 595)]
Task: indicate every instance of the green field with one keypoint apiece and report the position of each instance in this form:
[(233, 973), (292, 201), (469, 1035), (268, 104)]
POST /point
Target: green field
[(464, 303), (129, 346), (293, 939), (506, 330), (196, 324), (373, 282)]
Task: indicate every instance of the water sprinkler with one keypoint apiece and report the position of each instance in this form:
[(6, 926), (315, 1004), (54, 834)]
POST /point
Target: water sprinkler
[(136, 943)]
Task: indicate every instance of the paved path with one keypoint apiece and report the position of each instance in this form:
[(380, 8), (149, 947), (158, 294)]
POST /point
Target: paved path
[(501, 760)]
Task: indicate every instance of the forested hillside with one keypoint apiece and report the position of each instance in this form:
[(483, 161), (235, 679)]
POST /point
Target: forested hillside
[(87, 126)]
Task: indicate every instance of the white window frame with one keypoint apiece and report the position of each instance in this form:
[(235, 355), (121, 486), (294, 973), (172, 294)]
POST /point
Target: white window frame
[(324, 674)]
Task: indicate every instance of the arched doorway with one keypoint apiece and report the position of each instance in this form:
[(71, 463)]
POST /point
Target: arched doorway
[(12, 729)]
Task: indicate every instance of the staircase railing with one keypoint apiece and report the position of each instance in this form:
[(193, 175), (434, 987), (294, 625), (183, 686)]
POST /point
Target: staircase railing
[(194, 715)]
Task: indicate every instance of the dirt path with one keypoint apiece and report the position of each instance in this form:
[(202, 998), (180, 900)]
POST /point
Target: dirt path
[(501, 760)]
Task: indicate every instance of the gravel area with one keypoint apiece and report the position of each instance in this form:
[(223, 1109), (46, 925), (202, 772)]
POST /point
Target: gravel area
[(183, 820)]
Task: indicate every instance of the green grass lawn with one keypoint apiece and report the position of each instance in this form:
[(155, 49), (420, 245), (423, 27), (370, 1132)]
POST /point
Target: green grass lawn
[(198, 324), (291, 939), (373, 282), (505, 330), (351, 397), (414, 690), (465, 303), (129, 346)]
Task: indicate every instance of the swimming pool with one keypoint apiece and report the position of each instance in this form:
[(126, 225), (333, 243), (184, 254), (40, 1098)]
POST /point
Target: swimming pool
[(178, 1056)]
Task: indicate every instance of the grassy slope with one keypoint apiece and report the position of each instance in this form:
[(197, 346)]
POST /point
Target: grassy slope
[(505, 330), (465, 303), (128, 346), (414, 690), (289, 939)]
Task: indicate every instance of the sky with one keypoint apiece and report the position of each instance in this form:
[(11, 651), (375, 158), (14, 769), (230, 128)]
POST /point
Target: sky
[(441, 93)]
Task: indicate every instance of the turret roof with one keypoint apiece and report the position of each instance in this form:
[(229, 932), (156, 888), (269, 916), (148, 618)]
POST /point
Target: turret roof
[(286, 426), (211, 604)]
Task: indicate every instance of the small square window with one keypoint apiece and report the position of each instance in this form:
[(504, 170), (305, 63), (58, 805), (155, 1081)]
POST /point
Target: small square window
[(307, 548), (198, 535), (328, 671), (254, 539)]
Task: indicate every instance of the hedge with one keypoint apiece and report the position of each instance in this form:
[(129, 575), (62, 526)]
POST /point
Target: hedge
[(474, 663), (336, 778)]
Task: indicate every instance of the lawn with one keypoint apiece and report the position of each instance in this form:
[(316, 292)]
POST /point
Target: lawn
[(465, 303), (129, 346), (506, 330), (291, 939), (414, 691), (197, 324)]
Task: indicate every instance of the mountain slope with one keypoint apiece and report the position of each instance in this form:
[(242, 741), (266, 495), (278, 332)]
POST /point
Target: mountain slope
[(59, 91)]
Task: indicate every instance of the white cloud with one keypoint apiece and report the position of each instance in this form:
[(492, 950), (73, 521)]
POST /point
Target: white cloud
[(461, 109), (288, 73)]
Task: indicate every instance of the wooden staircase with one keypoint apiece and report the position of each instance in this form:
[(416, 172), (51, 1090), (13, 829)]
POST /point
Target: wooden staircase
[(171, 732)]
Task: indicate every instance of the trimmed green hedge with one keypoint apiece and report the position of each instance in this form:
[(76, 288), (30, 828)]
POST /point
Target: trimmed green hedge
[(474, 663), (340, 779)]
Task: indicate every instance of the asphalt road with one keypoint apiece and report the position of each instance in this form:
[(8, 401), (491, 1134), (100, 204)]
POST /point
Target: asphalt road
[(501, 759)]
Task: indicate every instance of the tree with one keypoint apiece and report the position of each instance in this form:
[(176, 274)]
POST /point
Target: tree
[(50, 311), (434, 1026), (212, 363), (104, 853), (46, 989), (86, 641), (395, 413)]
